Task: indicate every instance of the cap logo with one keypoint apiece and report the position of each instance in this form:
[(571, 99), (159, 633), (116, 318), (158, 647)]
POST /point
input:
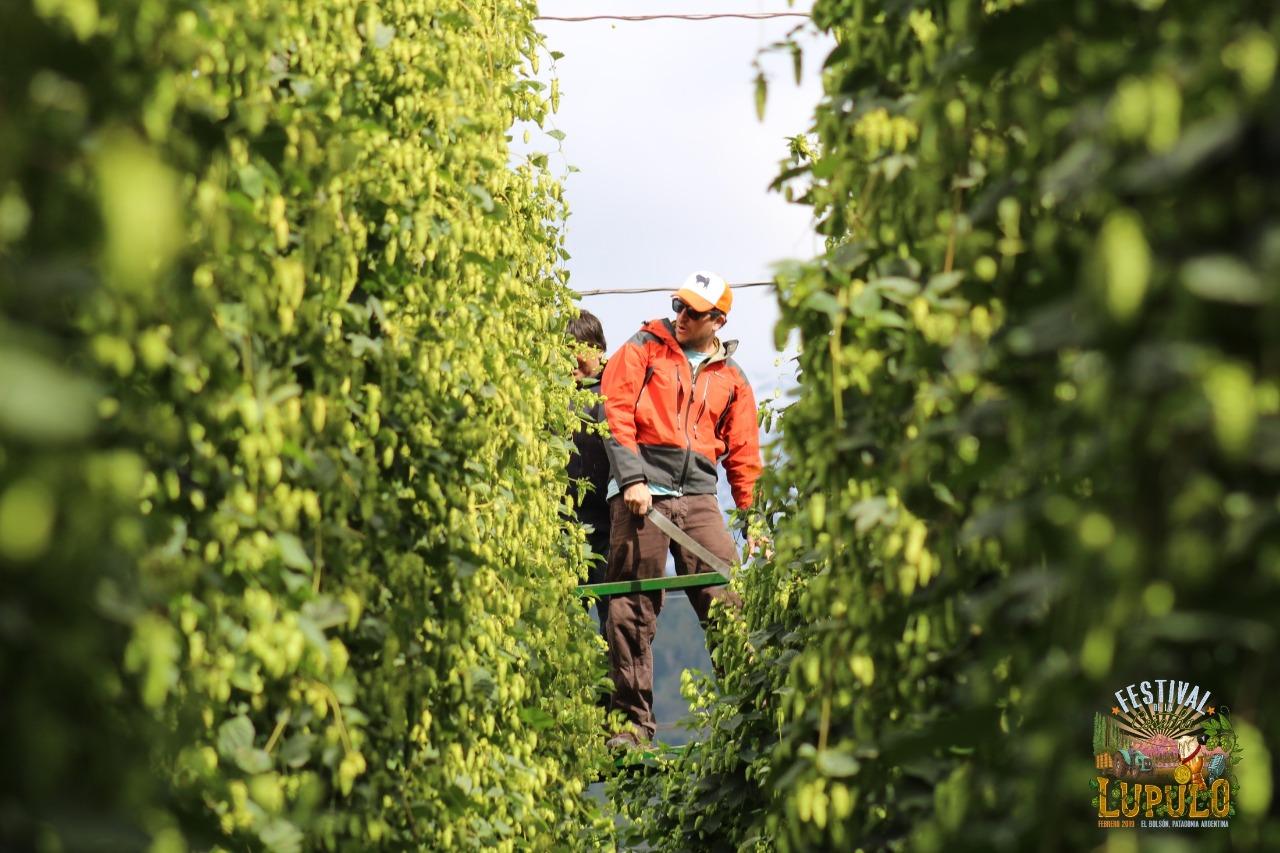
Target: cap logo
[(707, 290)]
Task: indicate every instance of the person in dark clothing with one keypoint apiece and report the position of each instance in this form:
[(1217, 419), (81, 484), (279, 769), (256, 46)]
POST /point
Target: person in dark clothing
[(588, 467)]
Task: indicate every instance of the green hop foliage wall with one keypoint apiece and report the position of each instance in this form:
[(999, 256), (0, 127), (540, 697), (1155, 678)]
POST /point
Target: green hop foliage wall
[(286, 392), (1033, 455)]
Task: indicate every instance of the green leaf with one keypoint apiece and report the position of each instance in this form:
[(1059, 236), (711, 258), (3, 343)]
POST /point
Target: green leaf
[(1224, 278), (536, 718), (325, 612), (896, 288), (241, 202), (251, 181), (866, 303), (155, 652), (296, 751), (1198, 145), (362, 344), (836, 765), (891, 319), (1082, 163), (43, 402), (847, 257), (235, 734), (944, 495), (556, 134), (281, 836), (294, 451), (486, 200), (823, 302), (944, 282), (895, 164), (292, 552), (762, 93), (252, 760), (293, 581)]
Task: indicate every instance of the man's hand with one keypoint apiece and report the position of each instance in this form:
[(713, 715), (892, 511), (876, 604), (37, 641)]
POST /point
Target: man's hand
[(637, 498), (759, 545)]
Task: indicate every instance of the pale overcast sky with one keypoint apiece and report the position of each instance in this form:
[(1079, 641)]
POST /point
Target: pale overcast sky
[(660, 118)]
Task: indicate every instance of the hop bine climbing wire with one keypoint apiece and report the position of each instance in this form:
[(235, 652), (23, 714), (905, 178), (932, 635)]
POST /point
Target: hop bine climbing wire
[(667, 289)]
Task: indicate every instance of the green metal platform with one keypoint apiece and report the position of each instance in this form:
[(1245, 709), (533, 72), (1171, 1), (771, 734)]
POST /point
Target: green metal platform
[(653, 584), (648, 757)]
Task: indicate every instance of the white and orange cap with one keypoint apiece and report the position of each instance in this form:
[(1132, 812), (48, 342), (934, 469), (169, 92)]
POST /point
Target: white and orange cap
[(706, 291)]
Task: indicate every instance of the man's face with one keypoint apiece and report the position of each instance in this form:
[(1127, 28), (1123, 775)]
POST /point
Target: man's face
[(694, 328), (588, 358)]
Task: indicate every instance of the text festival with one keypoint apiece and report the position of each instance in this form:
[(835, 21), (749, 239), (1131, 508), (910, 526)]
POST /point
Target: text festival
[(1180, 694), (1179, 800)]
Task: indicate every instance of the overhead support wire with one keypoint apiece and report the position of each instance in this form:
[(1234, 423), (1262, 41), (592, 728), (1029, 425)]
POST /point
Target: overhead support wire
[(667, 289), (710, 16)]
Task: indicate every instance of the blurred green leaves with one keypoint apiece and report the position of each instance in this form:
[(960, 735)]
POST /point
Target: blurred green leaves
[(14, 216), (138, 196), (1045, 473), (282, 557), (1224, 278), (1229, 387), (26, 520), (1125, 261), (80, 15), (40, 401)]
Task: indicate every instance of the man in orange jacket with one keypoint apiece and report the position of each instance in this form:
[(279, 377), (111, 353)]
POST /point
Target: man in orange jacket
[(677, 404)]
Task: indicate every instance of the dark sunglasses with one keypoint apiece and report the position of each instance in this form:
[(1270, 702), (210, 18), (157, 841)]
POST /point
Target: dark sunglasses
[(678, 305)]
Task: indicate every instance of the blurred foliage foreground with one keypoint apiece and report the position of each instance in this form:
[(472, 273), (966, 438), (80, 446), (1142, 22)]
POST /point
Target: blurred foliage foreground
[(283, 398), (1036, 448)]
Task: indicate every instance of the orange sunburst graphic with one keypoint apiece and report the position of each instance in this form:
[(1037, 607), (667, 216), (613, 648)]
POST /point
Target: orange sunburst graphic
[(1149, 721)]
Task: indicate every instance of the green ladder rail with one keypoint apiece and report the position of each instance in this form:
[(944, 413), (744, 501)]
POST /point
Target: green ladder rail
[(650, 757), (652, 584)]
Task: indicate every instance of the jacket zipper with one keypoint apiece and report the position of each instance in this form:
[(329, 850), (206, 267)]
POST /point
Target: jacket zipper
[(688, 442)]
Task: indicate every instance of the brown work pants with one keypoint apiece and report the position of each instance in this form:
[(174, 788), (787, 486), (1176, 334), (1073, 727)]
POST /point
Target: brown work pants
[(637, 551)]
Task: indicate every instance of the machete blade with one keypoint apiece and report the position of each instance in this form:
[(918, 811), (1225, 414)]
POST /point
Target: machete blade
[(668, 527)]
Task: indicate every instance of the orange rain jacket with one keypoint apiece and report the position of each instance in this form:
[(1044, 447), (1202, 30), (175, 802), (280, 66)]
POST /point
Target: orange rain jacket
[(670, 427)]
